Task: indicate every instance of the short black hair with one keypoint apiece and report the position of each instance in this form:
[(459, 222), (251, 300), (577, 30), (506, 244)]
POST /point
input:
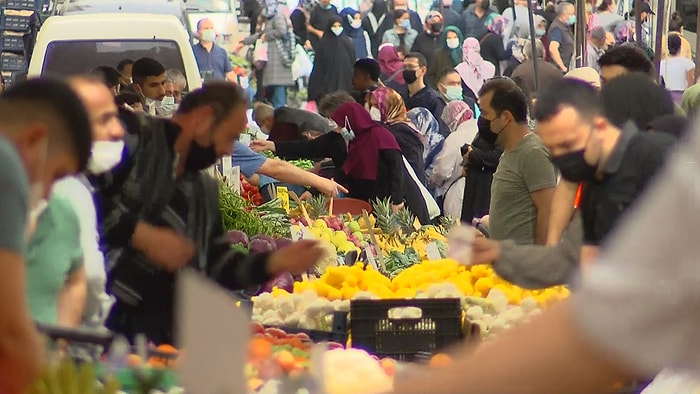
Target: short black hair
[(128, 98), (330, 102), (675, 125), (146, 67), (629, 56), (674, 44), (507, 96), (221, 96), (54, 103), (580, 95), (447, 72), (676, 22), (399, 14), (422, 62), (122, 65), (370, 67), (109, 75), (650, 100)]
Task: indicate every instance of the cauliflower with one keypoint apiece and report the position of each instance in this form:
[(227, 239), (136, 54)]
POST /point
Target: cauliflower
[(475, 313), (528, 304), (329, 320), (421, 296), (364, 295), (307, 323), (272, 318), (499, 300), (488, 319), (344, 306), (284, 305), (329, 257), (292, 320), (361, 373), (514, 315), (263, 301)]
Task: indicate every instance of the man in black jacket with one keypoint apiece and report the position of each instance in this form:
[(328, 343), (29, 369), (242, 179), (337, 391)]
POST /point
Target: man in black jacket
[(160, 212)]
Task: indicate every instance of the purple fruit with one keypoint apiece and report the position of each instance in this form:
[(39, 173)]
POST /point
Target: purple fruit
[(282, 242), (237, 237), (283, 280), (260, 246), (263, 237)]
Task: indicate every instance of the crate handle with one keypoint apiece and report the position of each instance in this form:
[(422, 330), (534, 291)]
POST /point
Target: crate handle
[(404, 313)]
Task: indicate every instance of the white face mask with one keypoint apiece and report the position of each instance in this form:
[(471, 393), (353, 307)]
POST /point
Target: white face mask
[(167, 106), (105, 156), (356, 24), (375, 114), (452, 43)]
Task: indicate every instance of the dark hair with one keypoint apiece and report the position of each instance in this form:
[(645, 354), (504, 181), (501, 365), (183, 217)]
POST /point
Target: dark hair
[(56, 104), (128, 98), (631, 57), (674, 44), (445, 73), (330, 102), (676, 22), (109, 75), (507, 96), (146, 67), (580, 95), (675, 125), (605, 5), (369, 67), (419, 56), (221, 96), (399, 14), (122, 65), (650, 100)]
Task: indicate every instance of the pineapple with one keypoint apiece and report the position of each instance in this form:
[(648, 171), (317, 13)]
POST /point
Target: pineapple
[(445, 224), (386, 221), (406, 221), (318, 206)]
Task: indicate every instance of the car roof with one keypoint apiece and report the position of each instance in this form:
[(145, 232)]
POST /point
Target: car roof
[(167, 7)]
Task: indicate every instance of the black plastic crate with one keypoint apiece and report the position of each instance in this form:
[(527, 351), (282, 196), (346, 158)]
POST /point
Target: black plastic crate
[(12, 62), (23, 4), (12, 43), (19, 23), (405, 339)]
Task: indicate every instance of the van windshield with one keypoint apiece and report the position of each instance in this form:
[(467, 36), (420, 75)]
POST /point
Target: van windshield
[(79, 57), (209, 5)]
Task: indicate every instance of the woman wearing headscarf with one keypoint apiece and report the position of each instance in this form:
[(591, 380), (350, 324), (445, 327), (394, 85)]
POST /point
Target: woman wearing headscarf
[(391, 68), (447, 56), (481, 159), (491, 43), (300, 18), (333, 62), (474, 70), (353, 28), (377, 21), (387, 107), (448, 163), (429, 128)]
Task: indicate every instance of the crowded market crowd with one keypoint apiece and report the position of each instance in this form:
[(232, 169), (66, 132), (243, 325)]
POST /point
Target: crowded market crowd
[(441, 114)]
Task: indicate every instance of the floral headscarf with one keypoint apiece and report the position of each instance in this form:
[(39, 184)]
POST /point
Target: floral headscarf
[(428, 127), (390, 105), (496, 24), (474, 70), (456, 113)]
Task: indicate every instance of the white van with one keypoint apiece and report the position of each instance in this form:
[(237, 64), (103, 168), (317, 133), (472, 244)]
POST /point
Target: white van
[(77, 44)]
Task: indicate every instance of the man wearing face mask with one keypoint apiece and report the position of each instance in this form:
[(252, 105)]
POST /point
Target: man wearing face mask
[(428, 41), (175, 84), (149, 82), (212, 60), (475, 17), (159, 216), (523, 184), (108, 134), (420, 95), (561, 36), (38, 147)]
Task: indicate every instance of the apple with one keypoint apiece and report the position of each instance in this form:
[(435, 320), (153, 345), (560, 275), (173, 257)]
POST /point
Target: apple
[(256, 328), (354, 226)]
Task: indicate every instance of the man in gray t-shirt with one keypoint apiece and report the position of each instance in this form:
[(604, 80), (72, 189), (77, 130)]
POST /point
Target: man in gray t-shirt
[(523, 184)]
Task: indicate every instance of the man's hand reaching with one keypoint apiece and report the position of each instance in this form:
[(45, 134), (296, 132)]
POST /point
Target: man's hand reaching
[(296, 258)]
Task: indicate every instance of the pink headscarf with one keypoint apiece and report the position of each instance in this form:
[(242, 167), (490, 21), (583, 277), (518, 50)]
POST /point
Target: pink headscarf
[(474, 70), (455, 113), (496, 24), (390, 64)]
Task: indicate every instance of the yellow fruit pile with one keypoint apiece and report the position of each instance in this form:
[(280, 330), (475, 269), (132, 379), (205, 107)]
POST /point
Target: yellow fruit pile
[(344, 283)]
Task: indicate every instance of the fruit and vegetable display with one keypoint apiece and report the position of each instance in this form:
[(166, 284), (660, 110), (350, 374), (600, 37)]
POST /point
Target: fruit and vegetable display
[(238, 214), (304, 164)]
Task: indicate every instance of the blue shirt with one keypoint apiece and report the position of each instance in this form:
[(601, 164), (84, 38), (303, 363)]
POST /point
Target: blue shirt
[(249, 161), (212, 65)]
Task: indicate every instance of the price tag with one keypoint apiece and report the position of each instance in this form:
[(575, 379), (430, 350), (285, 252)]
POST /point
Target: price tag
[(432, 251), (296, 232), (226, 165), (234, 176), (245, 139), (306, 233), (283, 196), (370, 259)]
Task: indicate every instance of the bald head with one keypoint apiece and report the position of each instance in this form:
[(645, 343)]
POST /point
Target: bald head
[(98, 101)]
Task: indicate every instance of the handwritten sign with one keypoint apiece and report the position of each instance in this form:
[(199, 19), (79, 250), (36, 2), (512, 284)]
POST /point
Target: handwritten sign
[(432, 251)]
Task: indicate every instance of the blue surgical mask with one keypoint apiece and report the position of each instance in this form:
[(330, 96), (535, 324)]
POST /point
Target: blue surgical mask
[(572, 19), (209, 35), (346, 132), (540, 33), (337, 30), (406, 24)]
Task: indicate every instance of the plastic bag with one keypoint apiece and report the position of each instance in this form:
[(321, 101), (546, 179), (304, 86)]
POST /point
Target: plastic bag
[(260, 54), (302, 65)]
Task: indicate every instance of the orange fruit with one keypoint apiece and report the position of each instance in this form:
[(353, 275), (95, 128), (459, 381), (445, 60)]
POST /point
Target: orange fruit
[(133, 360), (440, 360), (155, 362), (259, 349), (285, 360), (166, 349)]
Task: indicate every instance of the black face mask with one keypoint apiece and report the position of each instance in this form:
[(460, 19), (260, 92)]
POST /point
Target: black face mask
[(573, 167), (436, 27), (485, 132), (200, 158), (409, 76)]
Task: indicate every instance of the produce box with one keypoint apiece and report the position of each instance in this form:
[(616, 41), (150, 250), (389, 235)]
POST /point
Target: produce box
[(404, 329), (338, 331)]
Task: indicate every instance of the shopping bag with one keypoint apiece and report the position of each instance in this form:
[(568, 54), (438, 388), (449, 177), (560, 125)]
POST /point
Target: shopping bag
[(260, 54), (302, 66), (430, 203)]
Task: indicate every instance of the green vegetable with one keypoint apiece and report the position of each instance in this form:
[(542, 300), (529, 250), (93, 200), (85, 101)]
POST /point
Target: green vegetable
[(238, 214)]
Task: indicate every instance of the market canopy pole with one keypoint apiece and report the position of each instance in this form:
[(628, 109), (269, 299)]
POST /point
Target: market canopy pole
[(581, 43), (533, 37), (658, 43)]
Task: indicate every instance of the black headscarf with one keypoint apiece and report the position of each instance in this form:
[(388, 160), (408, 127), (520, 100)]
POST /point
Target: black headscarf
[(333, 63)]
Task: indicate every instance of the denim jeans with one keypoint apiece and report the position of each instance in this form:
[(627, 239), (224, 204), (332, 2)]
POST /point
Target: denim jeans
[(278, 96)]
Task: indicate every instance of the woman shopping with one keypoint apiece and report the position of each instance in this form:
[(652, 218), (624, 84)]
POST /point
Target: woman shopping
[(333, 62), (352, 24), (447, 56), (429, 129), (391, 68)]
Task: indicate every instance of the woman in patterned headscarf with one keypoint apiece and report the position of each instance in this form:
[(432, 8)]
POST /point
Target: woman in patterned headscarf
[(386, 106), (492, 49), (474, 70)]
